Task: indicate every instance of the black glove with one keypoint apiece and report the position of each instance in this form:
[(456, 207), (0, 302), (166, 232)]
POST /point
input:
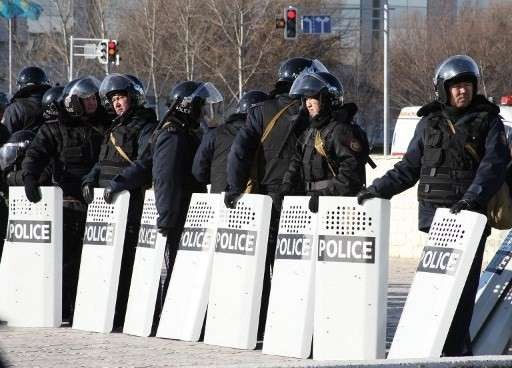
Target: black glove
[(88, 193), (463, 204), (364, 194), (32, 189), (313, 203), (163, 230), (230, 199), (108, 194)]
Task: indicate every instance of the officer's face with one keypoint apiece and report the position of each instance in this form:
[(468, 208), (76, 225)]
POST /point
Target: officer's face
[(461, 94), (90, 104), (121, 104), (313, 105)]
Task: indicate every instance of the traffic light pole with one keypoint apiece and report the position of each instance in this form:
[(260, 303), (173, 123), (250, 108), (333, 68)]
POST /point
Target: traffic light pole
[(85, 44), (386, 78)]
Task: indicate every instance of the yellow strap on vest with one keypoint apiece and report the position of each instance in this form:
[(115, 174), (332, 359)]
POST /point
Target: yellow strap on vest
[(250, 183), (319, 147), (119, 149)]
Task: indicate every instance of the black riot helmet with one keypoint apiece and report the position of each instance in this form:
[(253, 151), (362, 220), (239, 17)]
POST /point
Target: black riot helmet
[(52, 103), (77, 90), (291, 68), (119, 83), (14, 150), (196, 99), (458, 68), (31, 76), (250, 98), (322, 84)]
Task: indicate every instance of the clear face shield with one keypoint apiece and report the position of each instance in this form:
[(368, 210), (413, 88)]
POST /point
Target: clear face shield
[(212, 110), (10, 152)]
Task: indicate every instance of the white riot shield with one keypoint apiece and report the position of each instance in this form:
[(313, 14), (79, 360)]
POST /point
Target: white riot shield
[(493, 282), (102, 251), (493, 337), (437, 285), (351, 279), (147, 268), (31, 268), (237, 276), (187, 296), (289, 327)]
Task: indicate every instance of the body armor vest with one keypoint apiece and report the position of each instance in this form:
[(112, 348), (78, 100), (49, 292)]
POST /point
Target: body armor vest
[(448, 168), (316, 167), (279, 147), (80, 149), (110, 160)]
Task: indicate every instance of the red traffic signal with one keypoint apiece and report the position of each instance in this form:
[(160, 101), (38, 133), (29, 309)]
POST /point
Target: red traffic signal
[(112, 52), (290, 29)]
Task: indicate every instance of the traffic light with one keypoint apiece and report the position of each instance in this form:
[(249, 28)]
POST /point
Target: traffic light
[(112, 52), (102, 52), (290, 16)]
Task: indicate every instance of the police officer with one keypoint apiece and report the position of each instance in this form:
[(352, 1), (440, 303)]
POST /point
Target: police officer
[(458, 154), (210, 162), (279, 122), (25, 111), (168, 162), (70, 139), (123, 144), (330, 157)]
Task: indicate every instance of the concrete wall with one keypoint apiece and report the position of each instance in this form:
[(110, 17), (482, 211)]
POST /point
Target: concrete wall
[(406, 240)]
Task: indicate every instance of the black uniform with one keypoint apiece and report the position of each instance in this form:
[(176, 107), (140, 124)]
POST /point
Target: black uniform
[(343, 171), (168, 162), (25, 111), (72, 145), (210, 162), (131, 132), (273, 159), (447, 173)]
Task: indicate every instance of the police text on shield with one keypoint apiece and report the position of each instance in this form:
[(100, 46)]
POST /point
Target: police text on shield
[(439, 260), (195, 239), (98, 233), (353, 249), (236, 241), (21, 231)]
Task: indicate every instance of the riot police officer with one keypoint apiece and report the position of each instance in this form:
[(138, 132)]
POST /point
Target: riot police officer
[(70, 139), (123, 144), (25, 111), (459, 155), (331, 155), (168, 162), (211, 158), (263, 149)]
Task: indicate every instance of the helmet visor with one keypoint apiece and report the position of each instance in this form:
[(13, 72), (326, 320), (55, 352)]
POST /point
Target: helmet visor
[(9, 152), (208, 92), (307, 84), (85, 87), (115, 82)]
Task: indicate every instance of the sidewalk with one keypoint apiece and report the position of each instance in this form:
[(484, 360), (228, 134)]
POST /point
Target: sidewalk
[(65, 347)]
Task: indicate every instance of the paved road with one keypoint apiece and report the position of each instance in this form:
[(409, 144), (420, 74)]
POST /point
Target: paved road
[(64, 347)]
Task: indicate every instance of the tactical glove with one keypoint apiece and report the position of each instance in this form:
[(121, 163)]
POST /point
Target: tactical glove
[(230, 199), (108, 194), (463, 204), (32, 190), (163, 230), (88, 193), (365, 194), (313, 203)]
